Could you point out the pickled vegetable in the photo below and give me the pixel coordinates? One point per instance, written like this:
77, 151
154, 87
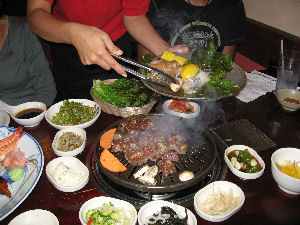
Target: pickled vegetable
290, 168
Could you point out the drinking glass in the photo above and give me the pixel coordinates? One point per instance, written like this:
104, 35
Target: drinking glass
288, 72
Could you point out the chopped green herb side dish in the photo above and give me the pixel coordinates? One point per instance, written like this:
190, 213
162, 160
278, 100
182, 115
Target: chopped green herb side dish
73, 113
124, 93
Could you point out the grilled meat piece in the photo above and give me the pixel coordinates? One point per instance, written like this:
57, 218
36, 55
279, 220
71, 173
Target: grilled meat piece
172, 156
4, 187
169, 67
150, 138
166, 167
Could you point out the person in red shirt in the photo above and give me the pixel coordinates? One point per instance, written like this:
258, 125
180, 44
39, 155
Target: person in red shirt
83, 33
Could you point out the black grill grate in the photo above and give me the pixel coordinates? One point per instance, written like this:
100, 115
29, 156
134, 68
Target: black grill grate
183, 197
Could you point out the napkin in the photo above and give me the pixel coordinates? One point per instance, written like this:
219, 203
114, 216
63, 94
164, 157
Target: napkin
257, 84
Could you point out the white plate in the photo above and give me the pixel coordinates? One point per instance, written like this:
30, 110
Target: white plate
35, 217
4, 118
99, 201
33, 170
183, 115
150, 208
55, 108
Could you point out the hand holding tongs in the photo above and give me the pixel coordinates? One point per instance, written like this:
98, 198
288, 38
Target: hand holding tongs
168, 79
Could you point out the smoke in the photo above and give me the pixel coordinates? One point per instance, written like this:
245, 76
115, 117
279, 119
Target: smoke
194, 128
167, 23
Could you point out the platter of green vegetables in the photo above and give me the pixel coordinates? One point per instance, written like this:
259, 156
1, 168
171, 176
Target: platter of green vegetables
226, 77
124, 92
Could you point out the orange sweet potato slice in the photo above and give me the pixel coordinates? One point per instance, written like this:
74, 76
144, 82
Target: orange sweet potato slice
110, 162
107, 138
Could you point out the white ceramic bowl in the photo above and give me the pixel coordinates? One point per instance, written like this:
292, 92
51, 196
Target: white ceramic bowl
99, 201
55, 108
76, 130
32, 121
286, 183
282, 94
183, 115
150, 208
70, 162
239, 173
223, 186
35, 217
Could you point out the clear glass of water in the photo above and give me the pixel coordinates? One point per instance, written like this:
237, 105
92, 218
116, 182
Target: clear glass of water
288, 72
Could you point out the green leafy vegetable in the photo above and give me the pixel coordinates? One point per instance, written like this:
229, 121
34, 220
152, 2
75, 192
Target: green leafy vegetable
124, 93
147, 58
217, 65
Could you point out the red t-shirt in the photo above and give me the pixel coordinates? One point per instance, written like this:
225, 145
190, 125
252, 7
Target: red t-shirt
104, 14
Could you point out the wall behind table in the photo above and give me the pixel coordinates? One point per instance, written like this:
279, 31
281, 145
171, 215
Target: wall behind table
281, 14
269, 21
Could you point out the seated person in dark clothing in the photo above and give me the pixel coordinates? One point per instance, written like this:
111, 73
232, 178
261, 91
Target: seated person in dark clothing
193, 22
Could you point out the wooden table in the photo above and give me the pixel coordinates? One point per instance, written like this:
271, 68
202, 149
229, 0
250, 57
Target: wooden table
265, 203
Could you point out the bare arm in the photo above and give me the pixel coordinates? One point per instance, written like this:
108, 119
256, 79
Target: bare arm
143, 31
229, 50
93, 45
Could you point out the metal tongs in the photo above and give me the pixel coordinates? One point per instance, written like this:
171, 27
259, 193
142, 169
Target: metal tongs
167, 79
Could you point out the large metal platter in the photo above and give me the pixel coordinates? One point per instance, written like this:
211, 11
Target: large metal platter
200, 158
237, 77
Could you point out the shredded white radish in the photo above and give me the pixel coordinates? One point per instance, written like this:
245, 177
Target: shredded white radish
219, 203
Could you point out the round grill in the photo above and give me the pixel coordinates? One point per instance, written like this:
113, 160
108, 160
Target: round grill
200, 158
138, 199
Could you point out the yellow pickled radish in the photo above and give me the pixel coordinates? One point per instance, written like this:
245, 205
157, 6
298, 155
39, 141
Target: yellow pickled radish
189, 71
170, 56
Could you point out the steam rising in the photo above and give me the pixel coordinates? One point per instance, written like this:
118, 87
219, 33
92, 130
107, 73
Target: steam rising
167, 23
194, 128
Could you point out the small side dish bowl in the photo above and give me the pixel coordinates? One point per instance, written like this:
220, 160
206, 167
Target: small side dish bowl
67, 174
147, 211
239, 173
35, 216
99, 201
183, 115
29, 106
285, 182
225, 187
55, 109
289, 99
66, 138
